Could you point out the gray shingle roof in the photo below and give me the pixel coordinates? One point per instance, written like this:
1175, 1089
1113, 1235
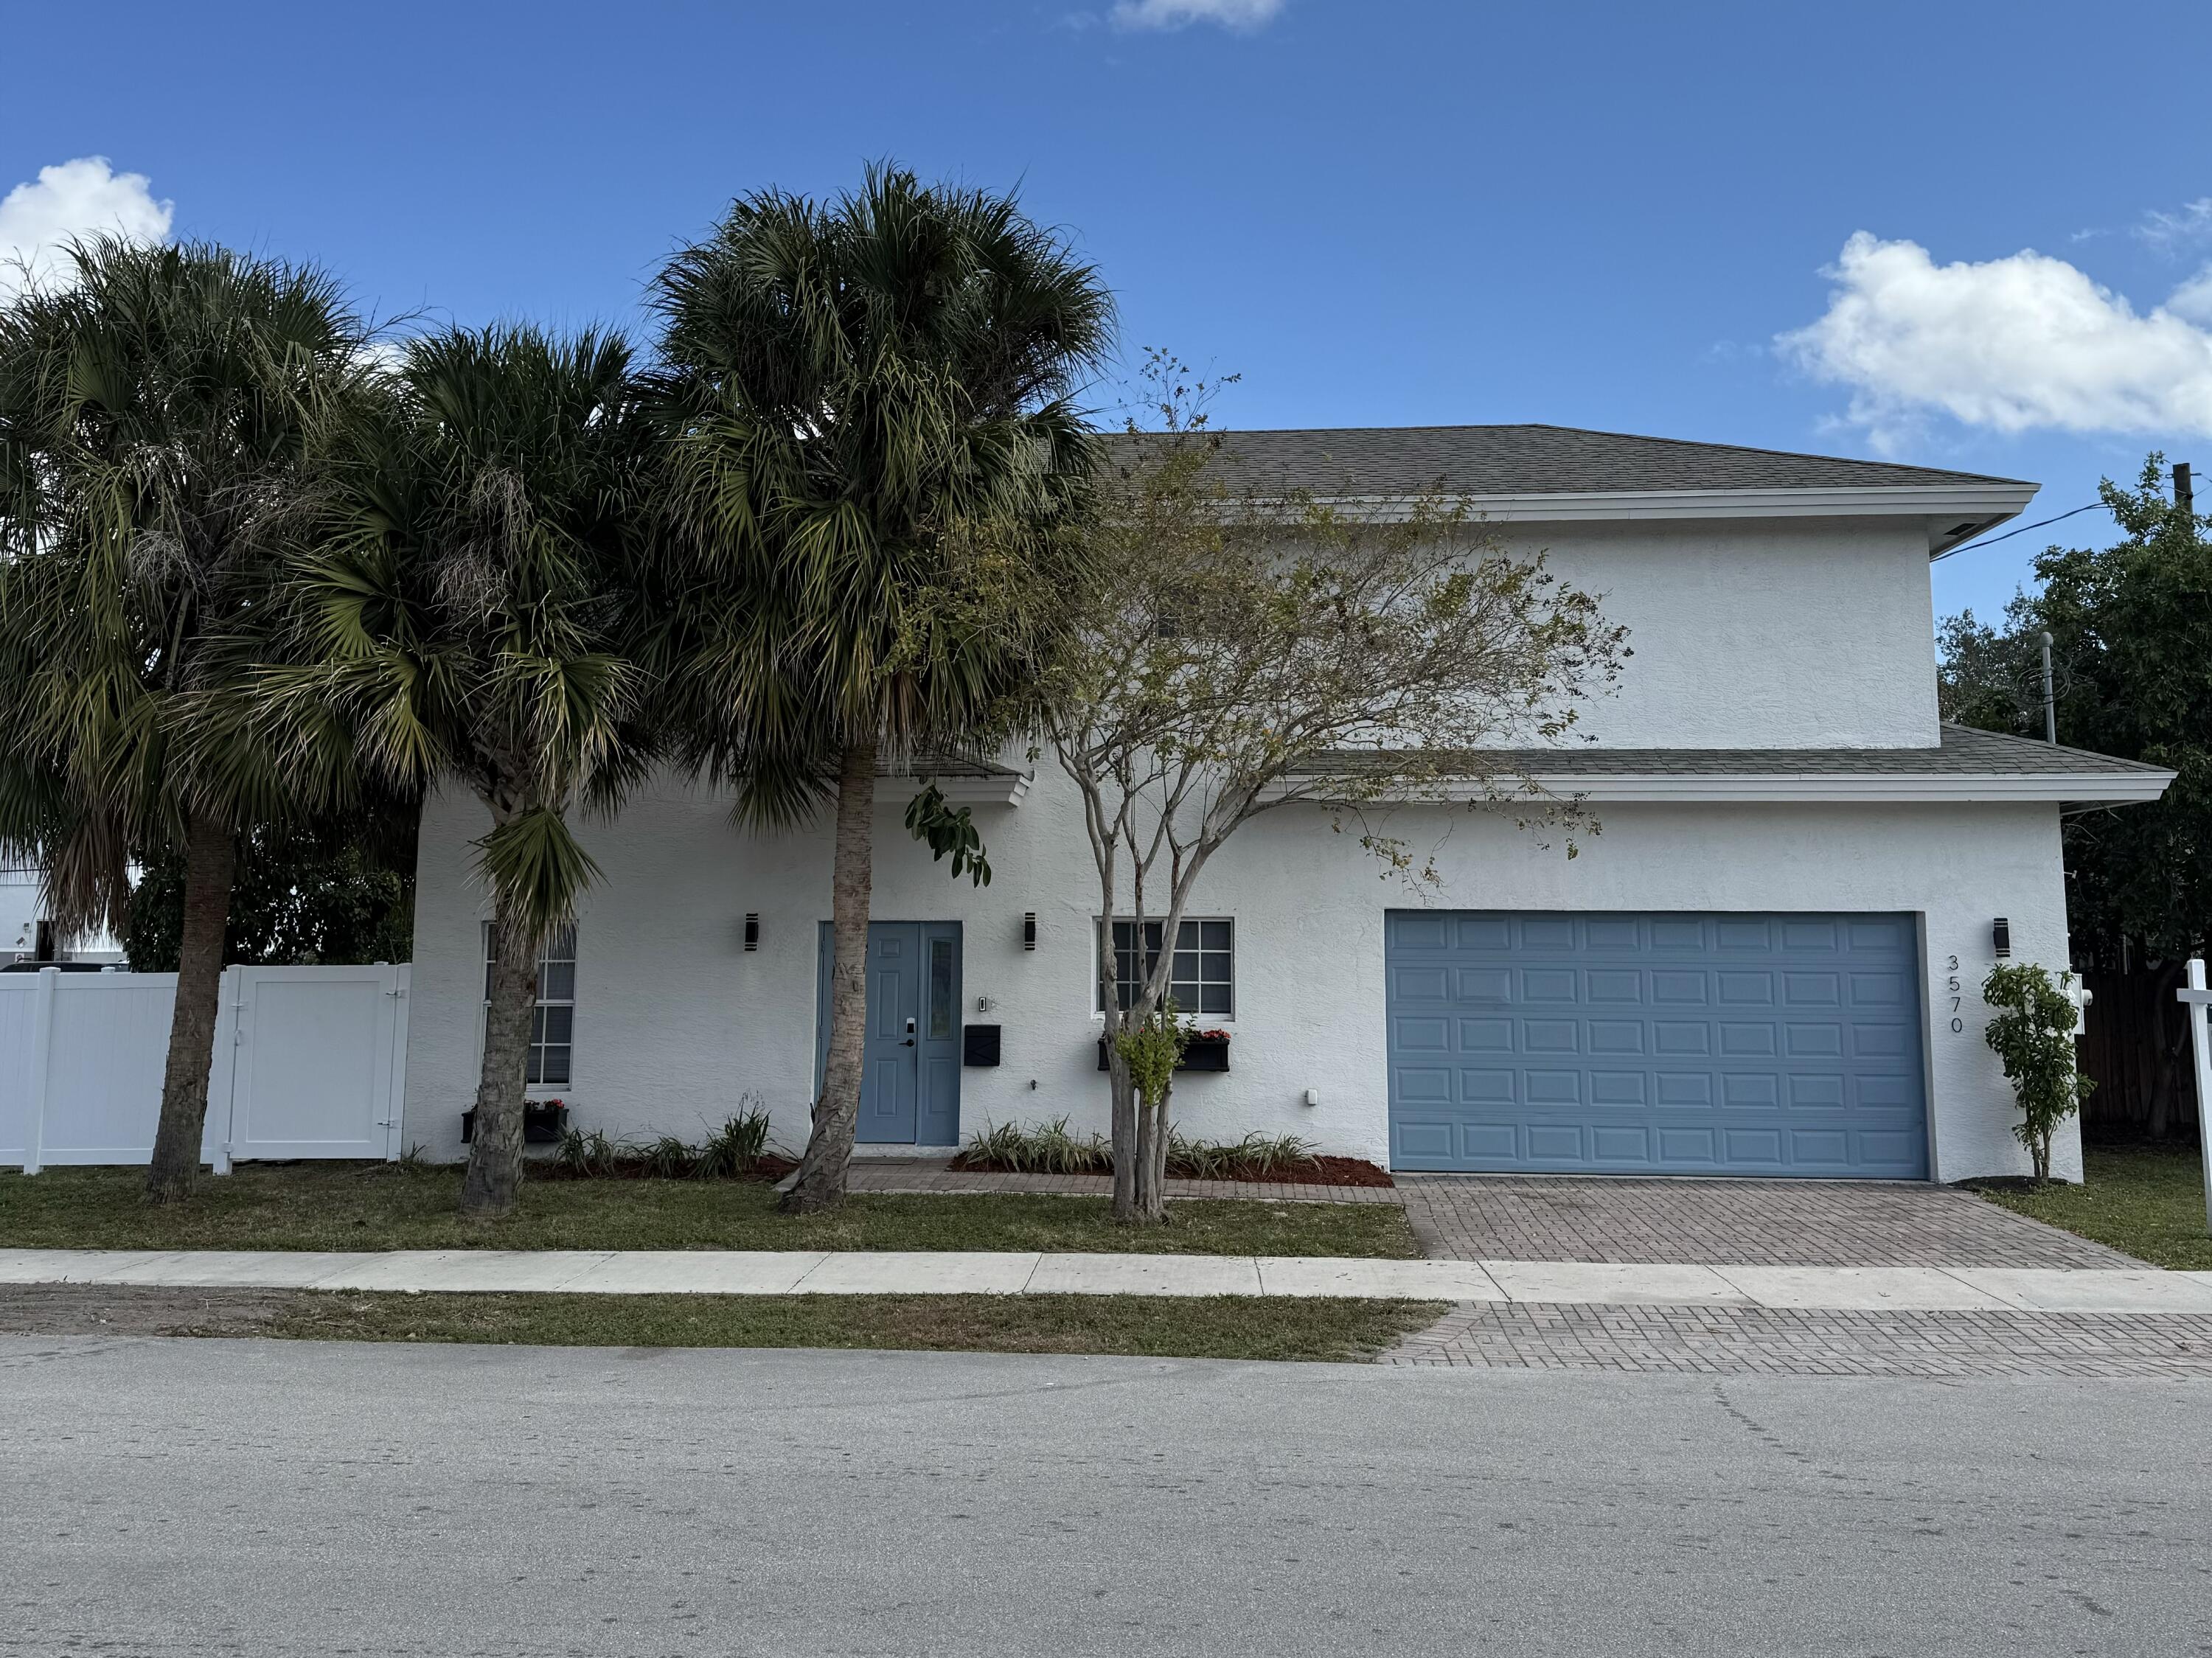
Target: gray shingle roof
1533, 460
1962, 751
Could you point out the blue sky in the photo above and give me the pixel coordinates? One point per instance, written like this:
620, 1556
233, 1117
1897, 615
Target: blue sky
1378, 213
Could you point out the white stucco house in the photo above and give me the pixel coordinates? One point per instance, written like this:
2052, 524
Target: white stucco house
1766, 962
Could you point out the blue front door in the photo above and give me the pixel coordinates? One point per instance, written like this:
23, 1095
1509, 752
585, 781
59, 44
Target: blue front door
910, 1064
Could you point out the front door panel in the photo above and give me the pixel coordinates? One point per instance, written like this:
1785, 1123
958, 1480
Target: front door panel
910, 1062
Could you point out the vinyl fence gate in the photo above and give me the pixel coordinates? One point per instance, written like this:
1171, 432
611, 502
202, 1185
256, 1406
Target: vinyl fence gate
308, 1062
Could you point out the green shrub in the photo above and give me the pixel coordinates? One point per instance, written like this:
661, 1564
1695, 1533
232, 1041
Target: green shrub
580, 1154
2033, 1033
736, 1148
669, 1159
1256, 1154
1047, 1149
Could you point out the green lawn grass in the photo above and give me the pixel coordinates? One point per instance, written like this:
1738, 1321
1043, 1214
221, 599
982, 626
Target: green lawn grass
1324, 1328
389, 1206
2147, 1201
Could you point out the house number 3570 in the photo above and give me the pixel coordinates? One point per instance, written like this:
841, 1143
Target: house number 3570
1951, 989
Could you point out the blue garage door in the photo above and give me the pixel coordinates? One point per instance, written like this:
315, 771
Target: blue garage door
1556, 1042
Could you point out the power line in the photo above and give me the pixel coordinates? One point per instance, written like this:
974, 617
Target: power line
2023, 530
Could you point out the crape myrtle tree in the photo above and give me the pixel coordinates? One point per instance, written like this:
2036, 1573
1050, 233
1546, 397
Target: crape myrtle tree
155, 404
874, 454
455, 611
1233, 654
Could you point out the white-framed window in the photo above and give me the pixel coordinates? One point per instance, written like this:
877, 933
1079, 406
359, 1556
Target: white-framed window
553, 1022
1203, 979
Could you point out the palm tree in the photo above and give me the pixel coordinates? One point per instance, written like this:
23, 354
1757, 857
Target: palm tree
874, 447
153, 411
456, 615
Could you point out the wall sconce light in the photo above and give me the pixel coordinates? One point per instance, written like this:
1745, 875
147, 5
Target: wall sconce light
752, 929
1029, 929
2000, 937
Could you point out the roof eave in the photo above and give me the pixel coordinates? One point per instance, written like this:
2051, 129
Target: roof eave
1785, 788
1955, 512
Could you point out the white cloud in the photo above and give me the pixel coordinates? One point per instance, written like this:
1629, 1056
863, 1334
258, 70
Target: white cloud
2011, 344
1240, 15
2191, 223
2193, 299
77, 198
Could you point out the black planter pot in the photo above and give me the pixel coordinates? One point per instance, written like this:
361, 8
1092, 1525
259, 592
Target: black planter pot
1204, 1054
542, 1125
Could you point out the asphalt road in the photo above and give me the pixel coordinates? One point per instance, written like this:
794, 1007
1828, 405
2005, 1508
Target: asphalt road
248, 1498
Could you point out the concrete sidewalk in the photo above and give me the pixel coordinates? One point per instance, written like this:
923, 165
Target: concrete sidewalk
707, 1272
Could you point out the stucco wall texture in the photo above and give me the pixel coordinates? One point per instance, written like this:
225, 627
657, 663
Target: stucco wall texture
675, 1021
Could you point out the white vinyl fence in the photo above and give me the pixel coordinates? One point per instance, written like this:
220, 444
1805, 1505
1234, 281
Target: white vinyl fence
309, 1062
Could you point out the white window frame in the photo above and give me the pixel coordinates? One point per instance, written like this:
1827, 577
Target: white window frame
547, 956
1194, 1013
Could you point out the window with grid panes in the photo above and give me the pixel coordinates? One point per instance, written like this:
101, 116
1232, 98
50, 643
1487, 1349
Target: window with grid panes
1203, 977
552, 1023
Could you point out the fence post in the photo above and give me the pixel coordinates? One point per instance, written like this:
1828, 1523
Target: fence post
42, 1065
2196, 998
395, 1093
223, 1068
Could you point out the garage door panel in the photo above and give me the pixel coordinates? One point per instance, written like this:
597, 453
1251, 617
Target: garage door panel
1676, 987
1616, 985
1620, 1088
1612, 1144
1616, 1036
1551, 1036
1657, 1043
1486, 1036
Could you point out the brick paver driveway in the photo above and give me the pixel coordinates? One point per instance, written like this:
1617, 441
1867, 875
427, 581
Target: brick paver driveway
1717, 1223
1701, 1223
1788, 1341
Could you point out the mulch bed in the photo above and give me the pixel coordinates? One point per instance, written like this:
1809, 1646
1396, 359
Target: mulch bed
769, 1169
1317, 1171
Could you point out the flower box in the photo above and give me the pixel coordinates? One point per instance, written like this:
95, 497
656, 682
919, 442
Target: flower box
542, 1123
1207, 1051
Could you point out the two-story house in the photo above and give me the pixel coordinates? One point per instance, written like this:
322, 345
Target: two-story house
1767, 963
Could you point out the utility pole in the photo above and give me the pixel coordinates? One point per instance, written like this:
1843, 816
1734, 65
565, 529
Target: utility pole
2050, 701
2184, 489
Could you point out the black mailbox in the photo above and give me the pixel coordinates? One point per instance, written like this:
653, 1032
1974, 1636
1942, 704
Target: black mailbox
979, 1044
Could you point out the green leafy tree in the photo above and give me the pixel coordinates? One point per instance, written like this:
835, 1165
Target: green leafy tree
156, 406
303, 897
2033, 1032
455, 614
874, 452
2131, 630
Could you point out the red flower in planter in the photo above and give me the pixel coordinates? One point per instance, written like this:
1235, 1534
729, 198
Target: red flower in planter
1212, 1035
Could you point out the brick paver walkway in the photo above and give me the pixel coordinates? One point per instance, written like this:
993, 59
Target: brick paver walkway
1717, 1223
1781, 1341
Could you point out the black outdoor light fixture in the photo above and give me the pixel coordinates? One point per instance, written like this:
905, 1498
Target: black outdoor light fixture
752, 929
2000, 937
1029, 929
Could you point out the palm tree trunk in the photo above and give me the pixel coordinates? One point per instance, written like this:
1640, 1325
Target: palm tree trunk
211, 859
495, 1176
820, 1182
